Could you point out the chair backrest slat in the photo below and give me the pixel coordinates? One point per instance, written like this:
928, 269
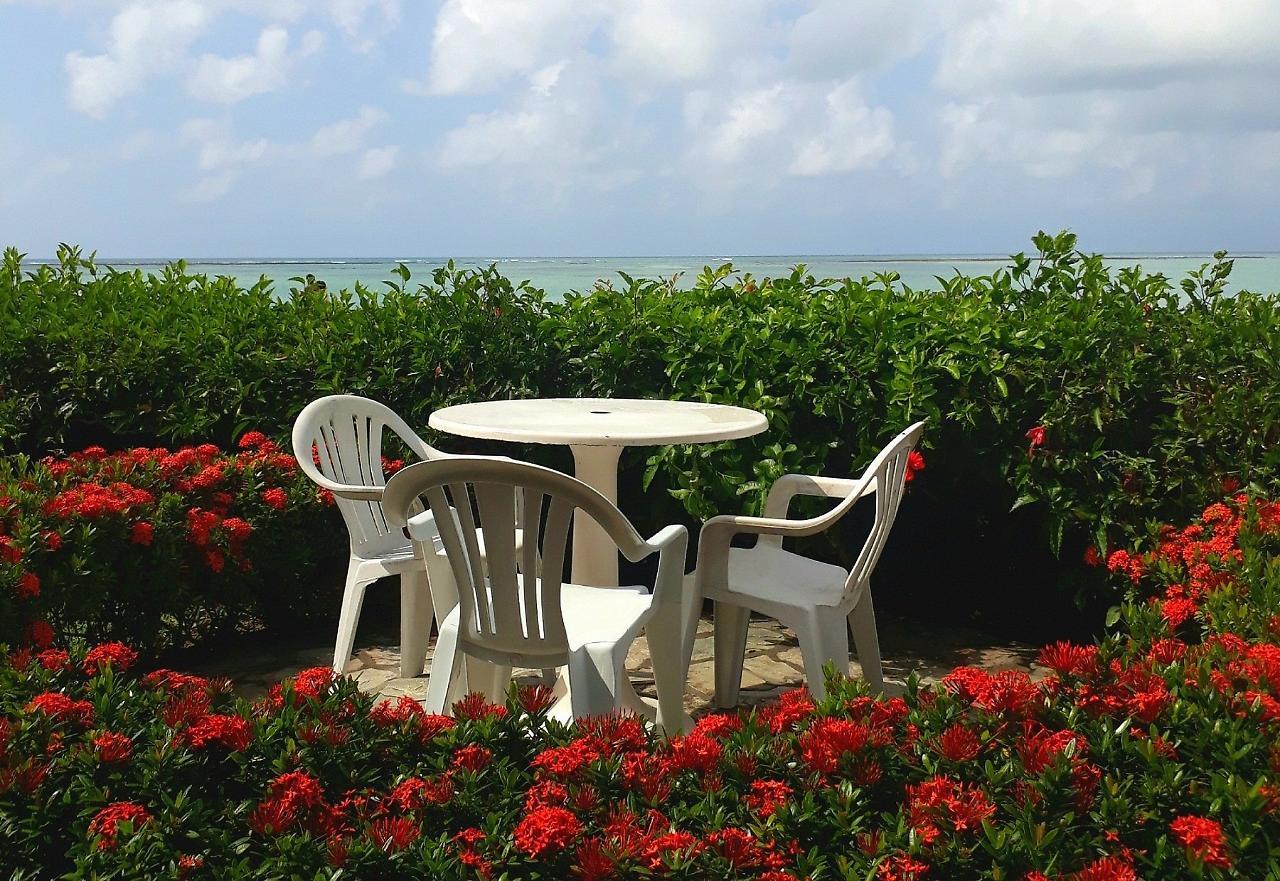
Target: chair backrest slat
338, 439
531, 522
504, 613
888, 470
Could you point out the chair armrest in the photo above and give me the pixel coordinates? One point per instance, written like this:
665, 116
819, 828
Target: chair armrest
788, 486
670, 544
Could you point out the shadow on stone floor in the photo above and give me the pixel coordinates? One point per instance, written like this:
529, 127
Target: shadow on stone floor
773, 663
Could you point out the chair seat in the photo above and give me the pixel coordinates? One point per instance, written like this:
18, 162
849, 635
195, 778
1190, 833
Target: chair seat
597, 614
776, 575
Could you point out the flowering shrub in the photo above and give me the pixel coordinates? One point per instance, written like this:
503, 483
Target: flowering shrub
157, 547
1154, 754
1086, 397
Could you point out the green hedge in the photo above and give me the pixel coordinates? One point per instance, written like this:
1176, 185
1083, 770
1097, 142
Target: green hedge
1150, 393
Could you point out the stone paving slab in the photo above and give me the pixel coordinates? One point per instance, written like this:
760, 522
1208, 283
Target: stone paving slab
773, 663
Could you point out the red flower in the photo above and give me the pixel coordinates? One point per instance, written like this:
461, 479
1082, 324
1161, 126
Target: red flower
942, 801
738, 847
313, 682
117, 655
9, 552
112, 746
142, 533
476, 706
828, 741
54, 659
1068, 659
38, 634
535, 698
188, 863
28, 585
1092, 557
958, 744
415, 793
1203, 840
915, 464
393, 834
766, 796
106, 823
252, 440
275, 498
60, 708
472, 757
1107, 869
233, 733
695, 752
546, 831
1035, 436
901, 867
52, 540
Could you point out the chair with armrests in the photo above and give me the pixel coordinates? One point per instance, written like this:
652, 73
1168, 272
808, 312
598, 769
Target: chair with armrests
819, 601
514, 612
337, 441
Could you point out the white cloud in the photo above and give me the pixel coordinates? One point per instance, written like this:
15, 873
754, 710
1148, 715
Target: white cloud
671, 41
789, 128
230, 80
480, 44
1055, 90
377, 162
346, 135
362, 20
837, 38
220, 158
145, 39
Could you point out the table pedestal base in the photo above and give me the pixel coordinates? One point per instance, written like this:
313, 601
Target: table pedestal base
595, 557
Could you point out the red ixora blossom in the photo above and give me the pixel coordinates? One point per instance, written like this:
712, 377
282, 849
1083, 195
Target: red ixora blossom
476, 706
766, 796
106, 823
1035, 436
38, 634
54, 659
60, 708
28, 585
117, 655
958, 744
915, 464
944, 802
901, 867
233, 733
112, 746
275, 498
393, 834
472, 757
1203, 839
252, 440
1068, 659
545, 831
142, 533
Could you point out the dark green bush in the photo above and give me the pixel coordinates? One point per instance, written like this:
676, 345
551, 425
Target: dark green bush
1150, 394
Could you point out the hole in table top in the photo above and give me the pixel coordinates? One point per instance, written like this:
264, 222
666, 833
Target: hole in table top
600, 412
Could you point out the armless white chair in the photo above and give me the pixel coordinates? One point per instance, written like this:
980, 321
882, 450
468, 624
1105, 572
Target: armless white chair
512, 612
337, 441
820, 602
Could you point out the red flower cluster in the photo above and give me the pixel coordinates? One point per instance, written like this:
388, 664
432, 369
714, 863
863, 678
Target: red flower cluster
1203, 839
111, 747
117, 655
546, 830
232, 733
60, 708
944, 803
106, 823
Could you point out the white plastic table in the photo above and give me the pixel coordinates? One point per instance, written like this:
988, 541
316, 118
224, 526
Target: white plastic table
596, 430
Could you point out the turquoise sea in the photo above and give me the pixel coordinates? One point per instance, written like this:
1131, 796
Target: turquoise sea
1255, 272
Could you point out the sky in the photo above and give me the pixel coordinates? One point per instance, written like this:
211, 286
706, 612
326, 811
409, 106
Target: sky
418, 128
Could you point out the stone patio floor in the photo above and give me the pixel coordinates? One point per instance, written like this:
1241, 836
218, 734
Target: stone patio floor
773, 663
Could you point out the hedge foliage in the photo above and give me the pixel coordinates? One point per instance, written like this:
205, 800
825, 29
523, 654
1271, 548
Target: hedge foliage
1154, 754
1085, 398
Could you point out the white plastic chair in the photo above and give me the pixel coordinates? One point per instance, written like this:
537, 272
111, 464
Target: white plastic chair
514, 613
344, 432
820, 602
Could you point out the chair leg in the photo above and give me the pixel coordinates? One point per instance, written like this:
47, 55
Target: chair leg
730, 647
416, 613
823, 639
862, 621
447, 665
348, 618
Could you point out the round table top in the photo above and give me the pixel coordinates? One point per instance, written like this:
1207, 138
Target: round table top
611, 422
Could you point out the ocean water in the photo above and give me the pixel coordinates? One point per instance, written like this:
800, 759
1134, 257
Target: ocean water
556, 275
